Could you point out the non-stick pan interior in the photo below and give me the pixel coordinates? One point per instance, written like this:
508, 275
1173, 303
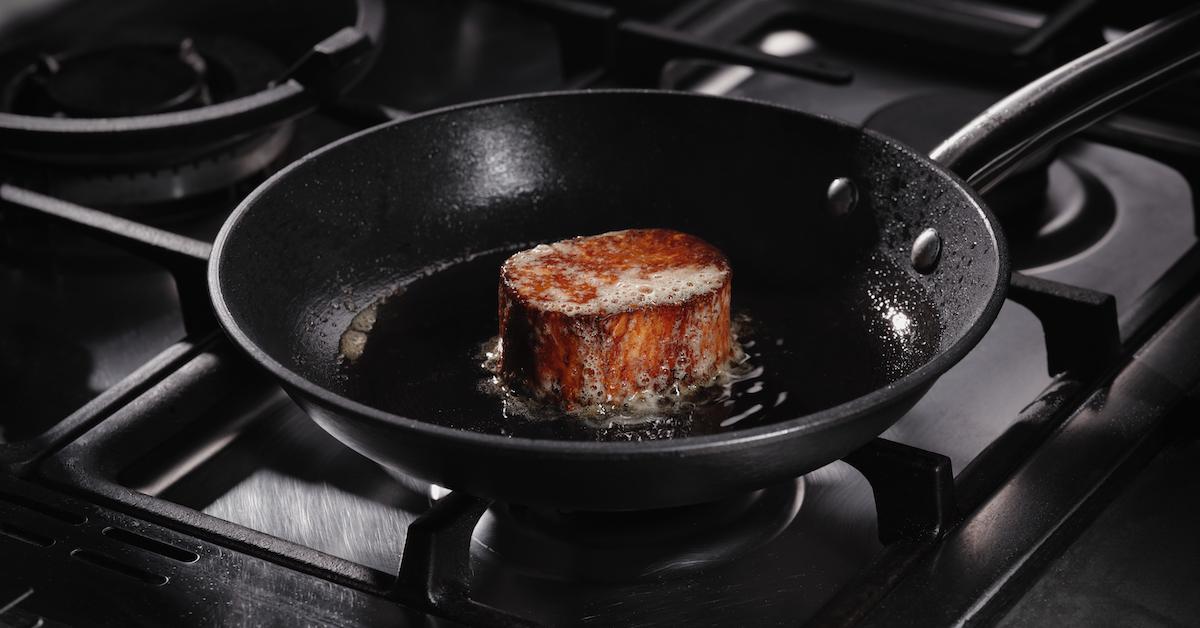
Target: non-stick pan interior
435, 203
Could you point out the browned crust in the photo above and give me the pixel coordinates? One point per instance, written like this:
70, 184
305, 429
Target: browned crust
650, 249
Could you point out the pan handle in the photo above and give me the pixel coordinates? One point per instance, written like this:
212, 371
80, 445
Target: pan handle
1071, 98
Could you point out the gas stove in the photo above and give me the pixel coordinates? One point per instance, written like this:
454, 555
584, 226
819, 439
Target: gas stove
153, 475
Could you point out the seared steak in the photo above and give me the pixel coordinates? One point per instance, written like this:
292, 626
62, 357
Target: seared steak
600, 319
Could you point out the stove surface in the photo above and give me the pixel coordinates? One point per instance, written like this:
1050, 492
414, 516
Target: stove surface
176, 436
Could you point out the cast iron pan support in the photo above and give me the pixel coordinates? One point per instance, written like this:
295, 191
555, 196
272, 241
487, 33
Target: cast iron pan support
582, 29
914, 490
331, 67
435, 569
1080, 325
635, 53
185, 258
1076, 16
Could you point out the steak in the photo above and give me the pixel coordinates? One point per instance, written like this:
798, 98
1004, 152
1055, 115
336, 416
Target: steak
605, 318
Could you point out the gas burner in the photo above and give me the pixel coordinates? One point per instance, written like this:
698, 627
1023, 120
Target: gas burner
149, 106
623, 546
143, 77
1050, 209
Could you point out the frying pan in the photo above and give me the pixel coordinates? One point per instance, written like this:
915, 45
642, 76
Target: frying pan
870, 268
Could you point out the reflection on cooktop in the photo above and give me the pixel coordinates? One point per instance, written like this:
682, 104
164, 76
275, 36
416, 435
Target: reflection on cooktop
282, 475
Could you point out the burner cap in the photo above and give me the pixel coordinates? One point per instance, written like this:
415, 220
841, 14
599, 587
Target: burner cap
122, 81
624, 546
164, 102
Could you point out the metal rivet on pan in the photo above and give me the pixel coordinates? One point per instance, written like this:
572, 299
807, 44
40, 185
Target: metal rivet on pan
843, 196
926, 251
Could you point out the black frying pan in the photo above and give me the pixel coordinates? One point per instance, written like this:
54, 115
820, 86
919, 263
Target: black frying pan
848, 333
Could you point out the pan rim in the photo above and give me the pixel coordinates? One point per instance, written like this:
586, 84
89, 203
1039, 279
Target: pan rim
847, 411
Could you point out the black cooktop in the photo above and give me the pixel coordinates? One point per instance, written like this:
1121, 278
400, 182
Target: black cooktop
152, 475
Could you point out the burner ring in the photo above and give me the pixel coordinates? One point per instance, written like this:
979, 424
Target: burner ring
624, 546
231, 164
273, 105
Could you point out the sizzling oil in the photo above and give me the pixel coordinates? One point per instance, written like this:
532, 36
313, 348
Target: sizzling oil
806, 350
